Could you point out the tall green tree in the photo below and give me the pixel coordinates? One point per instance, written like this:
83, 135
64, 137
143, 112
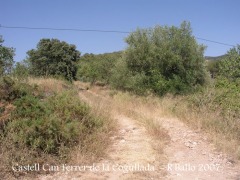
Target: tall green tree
6, 58
169, 57
54, 58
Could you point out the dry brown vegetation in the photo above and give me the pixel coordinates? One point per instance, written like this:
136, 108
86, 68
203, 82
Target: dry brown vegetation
206, 120
92, 138
203, 118
144, 110
50, 84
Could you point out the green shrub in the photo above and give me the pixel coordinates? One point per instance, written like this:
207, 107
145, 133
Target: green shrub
11, 89
50, 126
30, 107
222, 99
99, 67
229, 67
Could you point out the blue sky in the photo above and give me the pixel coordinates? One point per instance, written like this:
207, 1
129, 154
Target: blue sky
216, 20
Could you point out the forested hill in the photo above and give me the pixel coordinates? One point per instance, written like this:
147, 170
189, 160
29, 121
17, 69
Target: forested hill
215, 58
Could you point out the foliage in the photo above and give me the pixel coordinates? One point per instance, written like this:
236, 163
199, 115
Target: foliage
159, 60
120, 75
54, 58
11, 89
227, 96
97, 67
213, 67
169, 56
30, 106
21, 70
48, 125
6, 58
46, 129
229, 67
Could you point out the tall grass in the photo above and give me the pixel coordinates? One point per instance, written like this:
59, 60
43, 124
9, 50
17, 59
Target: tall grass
49, 85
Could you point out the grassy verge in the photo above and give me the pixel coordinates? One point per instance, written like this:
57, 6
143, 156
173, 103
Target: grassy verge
215, 110
47, 124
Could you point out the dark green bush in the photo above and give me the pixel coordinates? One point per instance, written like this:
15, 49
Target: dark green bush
11, 89
30, 107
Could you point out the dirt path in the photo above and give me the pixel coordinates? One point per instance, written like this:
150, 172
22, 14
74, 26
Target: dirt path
133, 156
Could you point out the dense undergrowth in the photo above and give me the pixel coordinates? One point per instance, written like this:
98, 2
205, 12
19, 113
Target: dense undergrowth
44, 126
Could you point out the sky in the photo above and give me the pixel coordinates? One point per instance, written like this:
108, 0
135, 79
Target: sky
216, 20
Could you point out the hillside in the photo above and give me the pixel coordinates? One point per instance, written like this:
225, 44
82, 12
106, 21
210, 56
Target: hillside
215, 58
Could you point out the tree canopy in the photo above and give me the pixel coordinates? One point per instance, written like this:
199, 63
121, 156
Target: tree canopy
54, 58
97, 67
6, 58
229, 67
168, 58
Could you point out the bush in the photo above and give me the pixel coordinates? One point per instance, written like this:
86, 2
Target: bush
229, 67
11, 89
21, 70
47, 129
95, 68
60, 121
30, 107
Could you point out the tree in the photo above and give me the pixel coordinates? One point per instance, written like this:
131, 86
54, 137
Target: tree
21, 70
54, 58
6, 58
97, 67
229, 67
169, 57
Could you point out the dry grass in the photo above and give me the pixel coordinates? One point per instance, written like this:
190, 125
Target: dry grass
209, 121
49, 85
221, 130
95, 146
145, 110
206, 120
